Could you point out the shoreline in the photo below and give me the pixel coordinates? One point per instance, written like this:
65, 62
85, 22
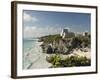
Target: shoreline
35, 57
41, 61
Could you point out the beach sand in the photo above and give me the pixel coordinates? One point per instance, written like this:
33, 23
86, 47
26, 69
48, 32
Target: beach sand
36, 58
82, 53
41, 62
78, 53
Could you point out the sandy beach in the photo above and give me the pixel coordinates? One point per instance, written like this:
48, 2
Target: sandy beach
78, 53
41, 62
82, 53
36, 58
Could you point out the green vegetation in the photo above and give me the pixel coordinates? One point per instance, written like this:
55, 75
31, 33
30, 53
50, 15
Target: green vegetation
55, 60
56, 45
71, 61
64, 46
80, 41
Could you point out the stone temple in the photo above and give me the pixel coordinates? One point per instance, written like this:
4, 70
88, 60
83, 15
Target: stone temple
66, 33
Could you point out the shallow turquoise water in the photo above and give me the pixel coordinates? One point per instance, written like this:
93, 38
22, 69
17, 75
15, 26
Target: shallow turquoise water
28, 45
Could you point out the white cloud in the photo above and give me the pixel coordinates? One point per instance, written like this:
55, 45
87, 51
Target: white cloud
28, 18
29, 31
33, 31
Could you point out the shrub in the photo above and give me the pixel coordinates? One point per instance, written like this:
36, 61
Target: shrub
55, 60
76, 42
71, 61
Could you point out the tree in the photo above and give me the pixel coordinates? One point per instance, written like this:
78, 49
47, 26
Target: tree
76, 42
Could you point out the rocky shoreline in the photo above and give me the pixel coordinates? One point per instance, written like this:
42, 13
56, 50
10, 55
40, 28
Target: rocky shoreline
78, 47
64, 46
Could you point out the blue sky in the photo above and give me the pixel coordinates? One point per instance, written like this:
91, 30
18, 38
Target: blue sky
40, 23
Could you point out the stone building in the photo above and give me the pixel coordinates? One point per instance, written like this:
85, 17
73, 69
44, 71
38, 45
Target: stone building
66, 34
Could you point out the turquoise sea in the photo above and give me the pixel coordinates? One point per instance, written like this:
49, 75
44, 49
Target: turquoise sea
28, 46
